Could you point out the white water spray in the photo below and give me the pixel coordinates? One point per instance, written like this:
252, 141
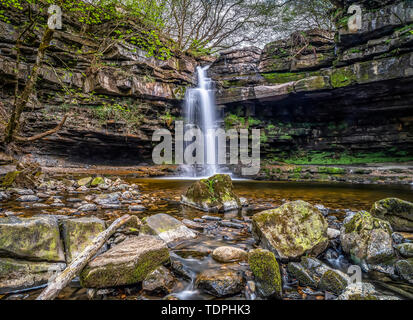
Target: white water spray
200, 112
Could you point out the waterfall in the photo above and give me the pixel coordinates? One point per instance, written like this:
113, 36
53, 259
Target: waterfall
200, 112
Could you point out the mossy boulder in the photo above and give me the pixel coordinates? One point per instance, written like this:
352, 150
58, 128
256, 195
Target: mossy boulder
333, 281
292, 230
266, 272
316, 274
214, 194
367, 239
220, 282
97, 181
359, 291
168, 228
84, 182
79, 233
398, 212
405, 269
405, 249
126, 263
23, 274
36, 239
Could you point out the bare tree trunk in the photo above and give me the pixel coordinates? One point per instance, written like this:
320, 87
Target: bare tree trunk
63, 279
22, 100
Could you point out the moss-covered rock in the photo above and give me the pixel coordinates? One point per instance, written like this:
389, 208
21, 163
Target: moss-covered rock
302, 275
126, 263
398, 212
405, 269
22, 274
36, 239
405, 249
266, 272
333, 281
84, 182
220, 282
212, 194
97, 181
79, 233
292, 230
359, 291
367, 239
167, 228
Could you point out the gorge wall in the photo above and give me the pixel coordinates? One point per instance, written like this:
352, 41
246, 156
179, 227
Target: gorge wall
319, 97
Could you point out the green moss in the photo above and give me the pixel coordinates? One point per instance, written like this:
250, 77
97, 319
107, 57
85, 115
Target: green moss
332, 170
342, 77
283, 77
10, 178
266, 271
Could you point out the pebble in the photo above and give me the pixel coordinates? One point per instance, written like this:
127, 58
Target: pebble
87, 207
231, 225
137, 208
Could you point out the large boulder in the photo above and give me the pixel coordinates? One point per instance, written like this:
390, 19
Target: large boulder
36, 239
214, 194
167, 228
21, 274
368, 240
405, 269
266, 272
220, 282
79, 233
126, 263
398, 212
292, 230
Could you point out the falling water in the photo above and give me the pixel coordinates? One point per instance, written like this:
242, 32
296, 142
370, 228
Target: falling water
200, 112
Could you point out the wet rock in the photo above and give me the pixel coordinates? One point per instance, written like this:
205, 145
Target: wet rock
79, 233
24, 192
112, 206
167, 228
40, 205
244, 202
398, 212
397, 238
333, 281
126, 263
210, 218
266, 272
87, 207
292, 230
159, 281
137, 208
194, 225
229, 254
4, 196
21, 274
36, 239
96, 182
229, 224
220, 282
213, 195
333, 233
28, 198
367, 239
359, 291
405, 249
84, 182
180, 269
405, 269
302, 275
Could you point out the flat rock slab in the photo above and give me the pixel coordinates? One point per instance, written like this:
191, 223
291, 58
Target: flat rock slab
36, 239
167, 228
126, 263
19, 274
220, 282
79, 233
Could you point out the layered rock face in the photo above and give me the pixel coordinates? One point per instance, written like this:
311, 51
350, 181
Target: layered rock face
348, 92
97, 91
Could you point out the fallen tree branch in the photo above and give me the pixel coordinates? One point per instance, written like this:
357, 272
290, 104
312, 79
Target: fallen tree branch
63, 279
44, 134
